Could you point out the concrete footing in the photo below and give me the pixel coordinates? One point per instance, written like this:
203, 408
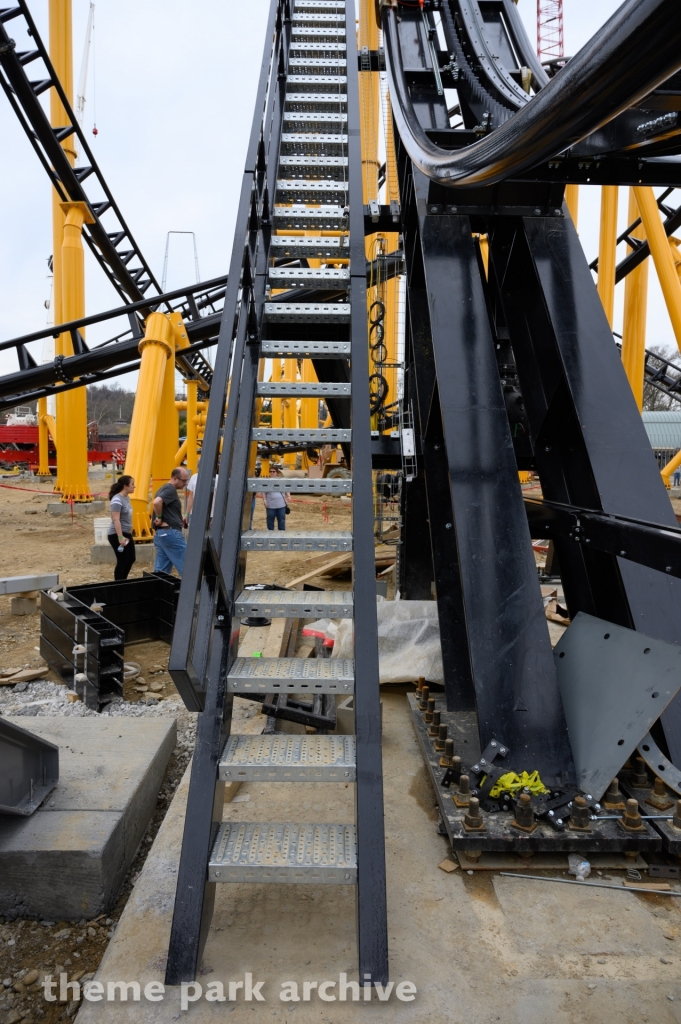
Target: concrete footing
64, 508
24, 605
68, 860
104, 554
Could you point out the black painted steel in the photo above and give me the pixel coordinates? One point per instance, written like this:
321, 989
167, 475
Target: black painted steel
586, 94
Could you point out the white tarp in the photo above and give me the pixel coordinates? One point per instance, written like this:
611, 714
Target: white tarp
408, 641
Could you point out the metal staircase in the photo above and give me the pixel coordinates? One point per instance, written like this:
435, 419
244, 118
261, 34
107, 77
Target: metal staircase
303, 173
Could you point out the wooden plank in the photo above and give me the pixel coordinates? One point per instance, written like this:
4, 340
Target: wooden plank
317, 572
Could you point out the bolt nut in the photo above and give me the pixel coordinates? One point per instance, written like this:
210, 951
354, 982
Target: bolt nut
430, 709
435, 724
441, 740
425, 694
473, 817
524, 812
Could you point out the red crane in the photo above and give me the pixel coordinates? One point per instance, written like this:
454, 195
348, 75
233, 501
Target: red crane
550, 29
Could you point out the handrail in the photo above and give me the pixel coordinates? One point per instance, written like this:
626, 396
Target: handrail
635, 51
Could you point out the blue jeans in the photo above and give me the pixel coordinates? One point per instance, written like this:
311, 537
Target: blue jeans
677, 478
276, 513
170, 550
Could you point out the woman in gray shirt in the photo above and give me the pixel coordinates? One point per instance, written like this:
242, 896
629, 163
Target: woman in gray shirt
120, 532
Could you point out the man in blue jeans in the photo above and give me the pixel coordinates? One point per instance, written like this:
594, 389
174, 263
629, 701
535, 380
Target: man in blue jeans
169, 522
275, 505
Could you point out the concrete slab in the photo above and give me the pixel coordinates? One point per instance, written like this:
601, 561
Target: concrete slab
68, 860
470, 953
64, 508
103, 554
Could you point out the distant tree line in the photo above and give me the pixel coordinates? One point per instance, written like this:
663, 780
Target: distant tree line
109, 406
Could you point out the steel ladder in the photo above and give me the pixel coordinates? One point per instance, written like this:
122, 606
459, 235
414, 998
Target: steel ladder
318, 188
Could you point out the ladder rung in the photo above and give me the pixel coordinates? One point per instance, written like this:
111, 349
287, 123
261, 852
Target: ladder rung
311, 191
299, 485
321, 248
297, 218
309, 277
305, 349
324, 435
317, 66
312, 34
303, 389
292, 675
295, 604
287, 852
315, 49
296, 540
284, 758
308, 312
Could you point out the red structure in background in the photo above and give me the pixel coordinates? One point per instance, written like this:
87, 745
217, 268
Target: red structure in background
19, 446
550, 29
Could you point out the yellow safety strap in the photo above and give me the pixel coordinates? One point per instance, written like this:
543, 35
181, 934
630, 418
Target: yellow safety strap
512, 783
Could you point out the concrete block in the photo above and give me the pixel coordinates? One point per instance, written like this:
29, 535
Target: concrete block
24, 605
103, 554
63, 508
69, 859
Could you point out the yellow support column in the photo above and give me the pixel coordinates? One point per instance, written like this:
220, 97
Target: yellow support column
661, 252
607, 256
369, 85
572, 200
309, 407
192, 451
635, 313
72, 452
43, 439
157, 349
61, 55
290, 406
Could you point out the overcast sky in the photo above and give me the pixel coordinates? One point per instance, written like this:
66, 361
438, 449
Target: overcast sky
172, 85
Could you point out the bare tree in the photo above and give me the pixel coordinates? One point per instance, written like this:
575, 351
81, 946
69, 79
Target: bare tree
653, 399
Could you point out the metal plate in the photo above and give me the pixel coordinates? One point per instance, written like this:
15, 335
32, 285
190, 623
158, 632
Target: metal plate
317, 65
315, 48
606, 837
614, 683
283, 758
296, 540
332, 435
318, 33
29, 769
295, 485
308, 312
312, 191
294, 604
284, 390
292, 675
660, 765
305, 349
333, 168
309, 220
271, 852
315, 83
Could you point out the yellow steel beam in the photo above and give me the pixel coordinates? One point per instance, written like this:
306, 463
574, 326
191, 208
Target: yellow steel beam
607, 245
43, 439
635, 313
157, 349
661, 252
72, 451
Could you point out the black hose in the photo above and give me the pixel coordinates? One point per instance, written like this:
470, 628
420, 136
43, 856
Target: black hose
636, 50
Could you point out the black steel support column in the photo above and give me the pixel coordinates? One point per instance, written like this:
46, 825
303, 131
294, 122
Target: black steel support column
510, 652
372, 925
591, 448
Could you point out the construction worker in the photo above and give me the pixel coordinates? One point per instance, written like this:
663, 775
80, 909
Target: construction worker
169, 522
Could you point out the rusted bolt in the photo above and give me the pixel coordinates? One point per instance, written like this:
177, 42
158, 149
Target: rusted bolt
430, 709
524, 814
419, 685
473, 818
631, 819
456, 767
425, 694
640, 777
448, 756
462, 797
435, 724
613, 798
579, 816
659, 798
676, 820
441, 738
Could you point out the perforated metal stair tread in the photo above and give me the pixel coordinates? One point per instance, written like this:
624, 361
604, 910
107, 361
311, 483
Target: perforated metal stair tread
329, 168
284, 852
291, 675
285, 389
309, 277
299, 245
296, 485
307, 312
305, 349
302, 190
296, 540
321, 435
283, 604
283, 758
